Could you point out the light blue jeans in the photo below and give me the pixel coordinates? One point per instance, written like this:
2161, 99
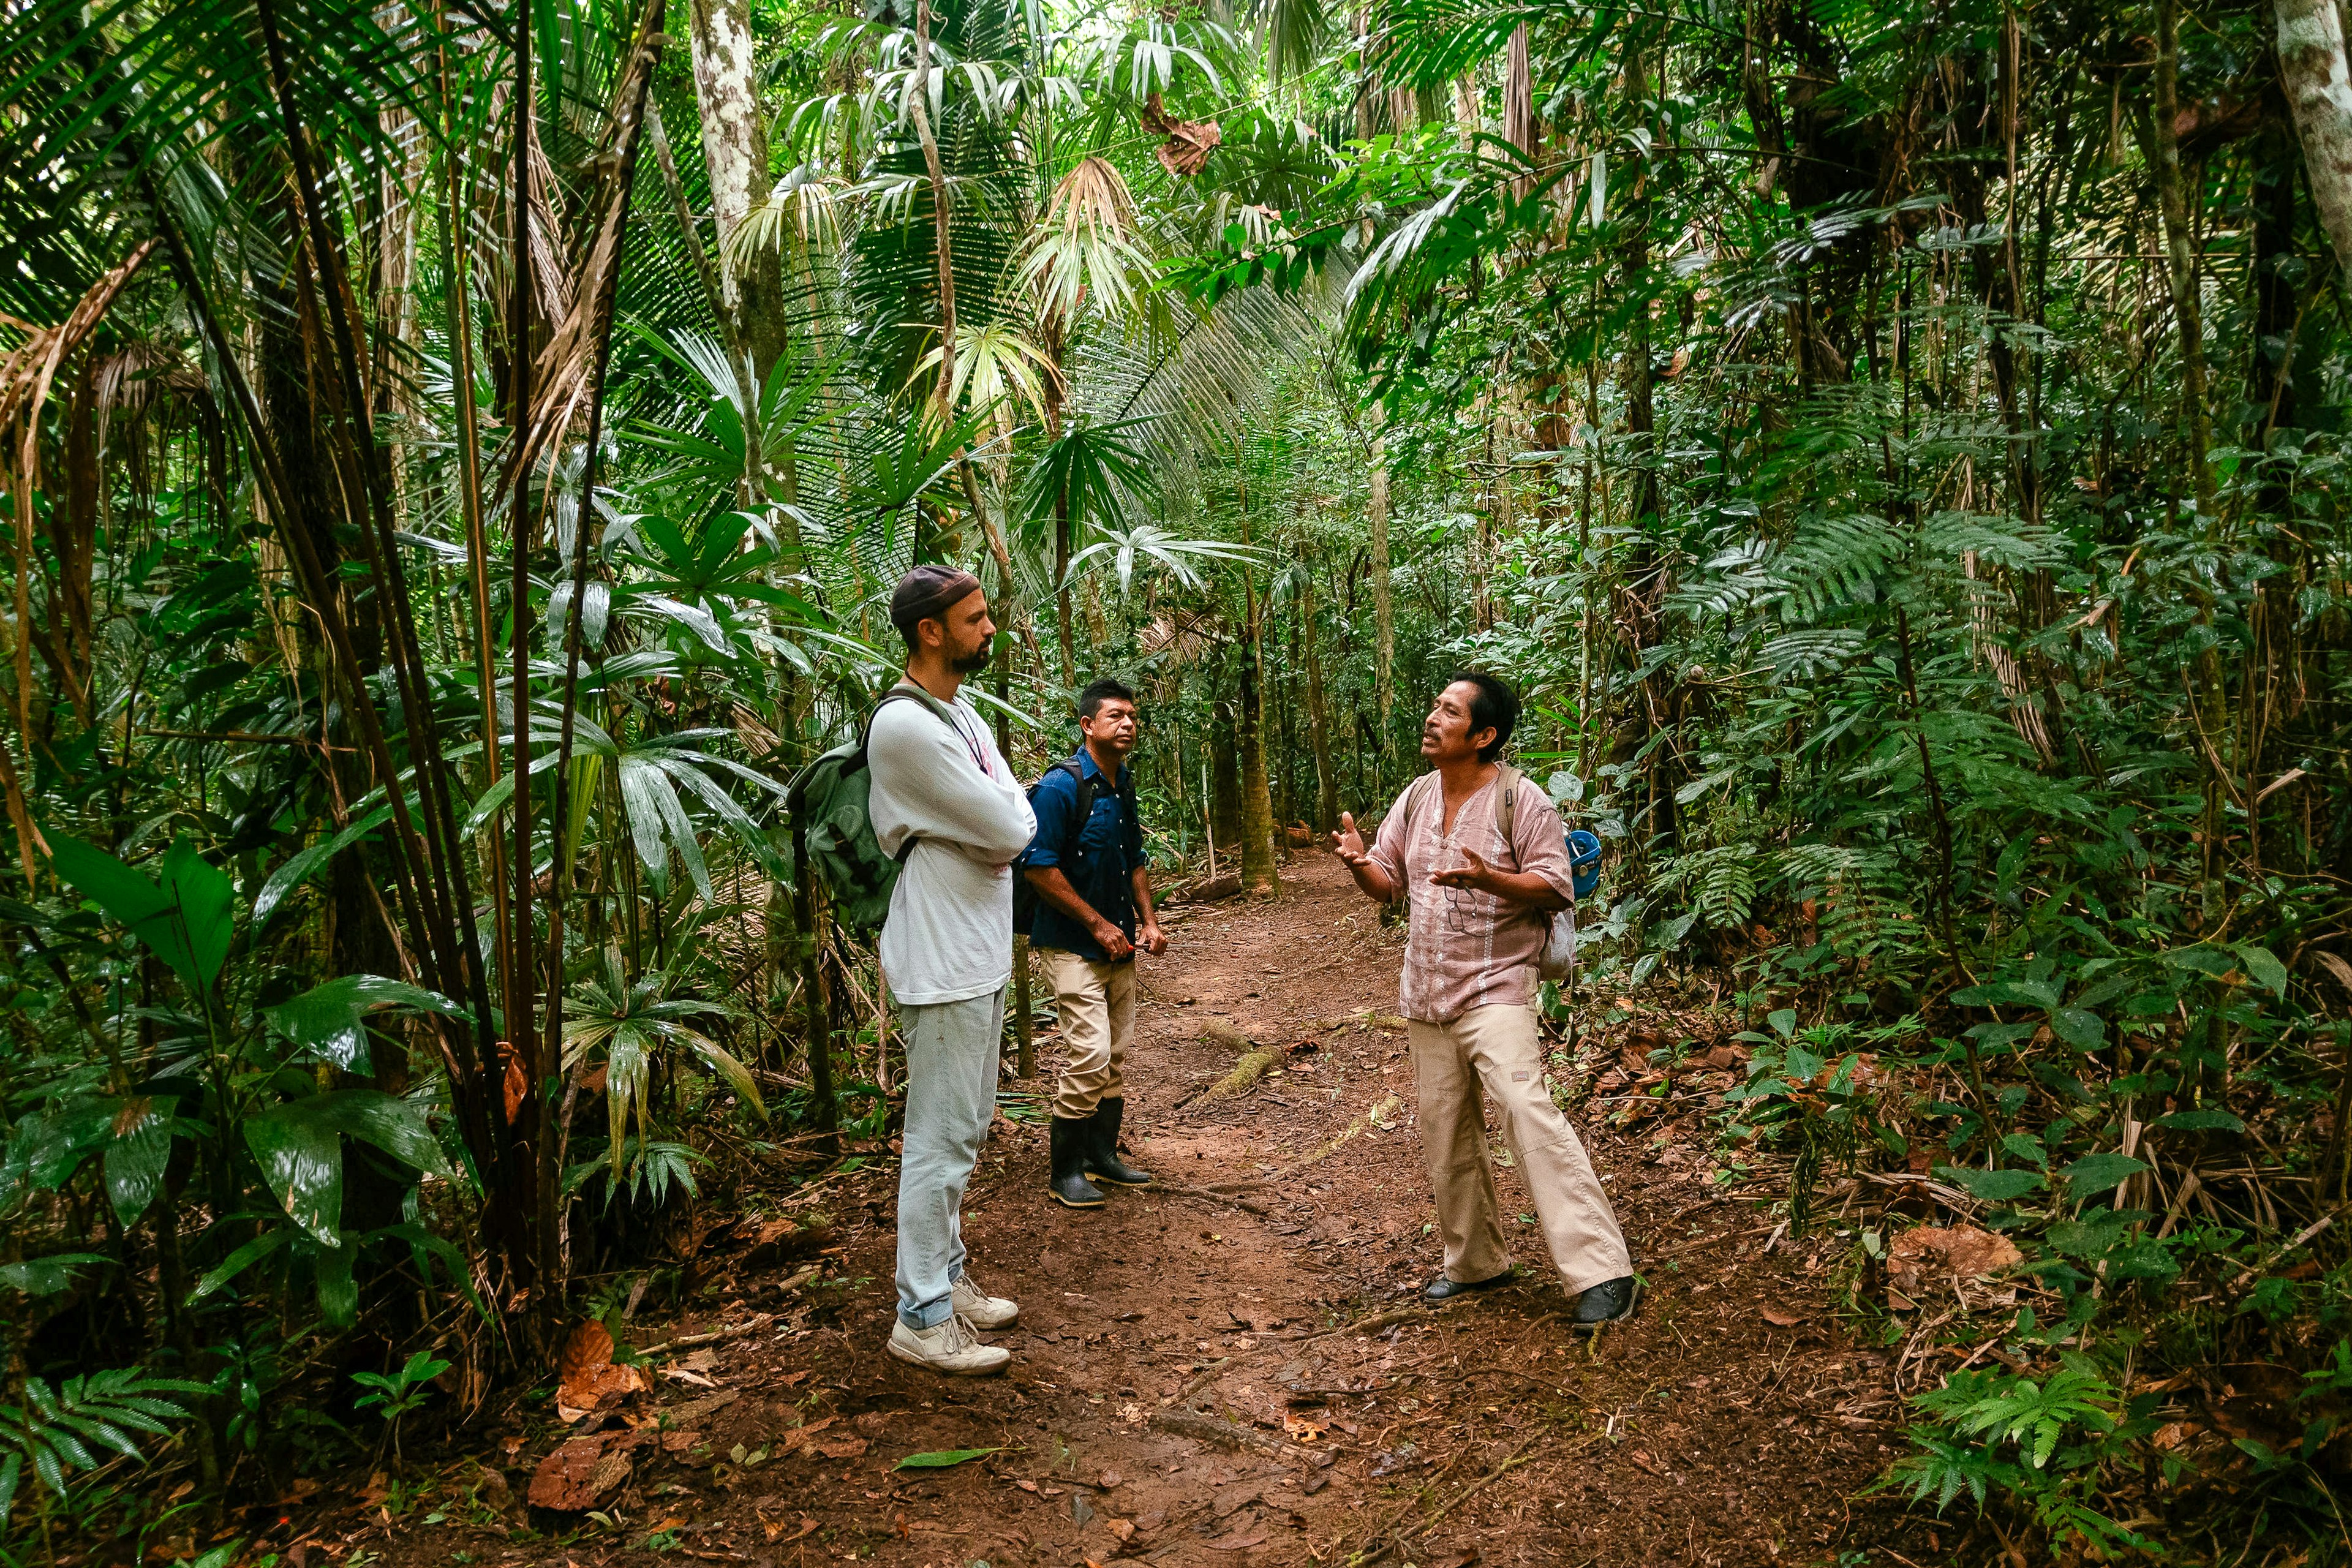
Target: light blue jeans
951, 1055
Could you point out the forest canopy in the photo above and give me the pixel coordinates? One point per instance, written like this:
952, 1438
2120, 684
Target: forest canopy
457, 459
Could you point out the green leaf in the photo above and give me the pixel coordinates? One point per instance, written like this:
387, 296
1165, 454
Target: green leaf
302, 1158
2078, 1027
187, 921
339, 1291
1991, 1186
2099, 1172
47, 1276
237, 1262
298, 868
2038, 993
2264, 967
330, 1020
138, 1155
2202, 1121
206, 901
942, 1458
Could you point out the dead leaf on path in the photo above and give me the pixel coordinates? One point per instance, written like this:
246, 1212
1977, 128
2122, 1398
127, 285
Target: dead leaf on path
1453, 1559
1241, 1539
1779, 1318
587, 1377
841, 1448
776, 1527
799, 1436
571, 1479
2173, 1434
1306, 1426
1386, 1113
1641, 1456
679, 1442
687, 1376
1930, 1253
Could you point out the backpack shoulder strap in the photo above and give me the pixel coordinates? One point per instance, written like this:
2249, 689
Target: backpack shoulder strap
1507, 782
1087, 791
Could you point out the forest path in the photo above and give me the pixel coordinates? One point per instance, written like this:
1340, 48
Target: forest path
1731, 1422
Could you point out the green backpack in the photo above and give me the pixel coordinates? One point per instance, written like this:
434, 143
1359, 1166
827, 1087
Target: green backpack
834, 827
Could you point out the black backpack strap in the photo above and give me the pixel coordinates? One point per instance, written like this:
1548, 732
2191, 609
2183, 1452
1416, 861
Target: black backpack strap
1087, 792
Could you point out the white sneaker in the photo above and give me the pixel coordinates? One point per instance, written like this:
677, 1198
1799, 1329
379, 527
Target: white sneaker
986, 1312
951, 1347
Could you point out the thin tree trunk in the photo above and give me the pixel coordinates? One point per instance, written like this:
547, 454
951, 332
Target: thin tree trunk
1319, 714
1257, 864
1383, 605
2179, 247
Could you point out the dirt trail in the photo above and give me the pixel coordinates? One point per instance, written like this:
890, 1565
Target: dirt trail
1185, 1389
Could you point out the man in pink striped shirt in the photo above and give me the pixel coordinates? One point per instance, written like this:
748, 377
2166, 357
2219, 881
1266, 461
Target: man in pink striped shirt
1479, 906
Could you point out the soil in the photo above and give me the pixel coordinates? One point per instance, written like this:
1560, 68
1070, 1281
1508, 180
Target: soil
1233, 1369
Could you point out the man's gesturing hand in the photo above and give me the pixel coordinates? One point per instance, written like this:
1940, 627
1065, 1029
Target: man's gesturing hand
1347, 843
1474, 873
1152, 939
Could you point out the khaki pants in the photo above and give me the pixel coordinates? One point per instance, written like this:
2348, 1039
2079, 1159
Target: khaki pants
1498, 1048
1097, 1007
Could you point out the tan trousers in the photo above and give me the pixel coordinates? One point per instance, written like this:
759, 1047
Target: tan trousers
1097, 1007
1497, 1048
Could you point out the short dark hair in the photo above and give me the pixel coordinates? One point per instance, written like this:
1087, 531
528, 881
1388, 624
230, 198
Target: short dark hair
1495, 708
1091, 699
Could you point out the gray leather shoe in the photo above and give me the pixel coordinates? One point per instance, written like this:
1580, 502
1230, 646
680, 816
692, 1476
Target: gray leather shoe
1610, 1301
1444, 1290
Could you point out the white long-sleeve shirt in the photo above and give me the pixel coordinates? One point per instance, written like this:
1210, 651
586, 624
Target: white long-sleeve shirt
949, 935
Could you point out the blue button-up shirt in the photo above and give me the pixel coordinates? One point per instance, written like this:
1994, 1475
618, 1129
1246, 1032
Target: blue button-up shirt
1101, 863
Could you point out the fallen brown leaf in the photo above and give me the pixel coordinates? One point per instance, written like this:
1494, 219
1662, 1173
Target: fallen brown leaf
1241, 1539
1929, 1254
1779, 1318
586, 1376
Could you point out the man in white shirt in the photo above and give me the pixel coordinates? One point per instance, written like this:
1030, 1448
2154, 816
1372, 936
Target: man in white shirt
947, 949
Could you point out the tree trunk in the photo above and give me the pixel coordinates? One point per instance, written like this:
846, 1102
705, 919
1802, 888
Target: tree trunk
1259, 873
1319, 714
735, 151
1383, 606
1225, 789
2314, 74
2179, 245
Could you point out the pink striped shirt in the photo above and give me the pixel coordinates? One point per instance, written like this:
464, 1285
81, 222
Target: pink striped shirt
1466, 949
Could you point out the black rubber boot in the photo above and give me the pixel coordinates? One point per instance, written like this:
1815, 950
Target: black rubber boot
1103, 1162
1068, 1184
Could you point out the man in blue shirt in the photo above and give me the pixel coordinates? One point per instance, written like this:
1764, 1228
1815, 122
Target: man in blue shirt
1093, 887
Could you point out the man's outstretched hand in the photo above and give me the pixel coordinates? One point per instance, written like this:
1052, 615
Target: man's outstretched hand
1474, 873
1348, 844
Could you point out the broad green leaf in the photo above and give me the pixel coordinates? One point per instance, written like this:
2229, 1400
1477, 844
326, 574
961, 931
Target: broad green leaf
138, 1155
330, 1020
339, 1291
47, 1276
2099, 1172
302, 1158
2078, 1027
942, 1458
2264, 967
187, 921
124, 894
206, 901
1992, 1186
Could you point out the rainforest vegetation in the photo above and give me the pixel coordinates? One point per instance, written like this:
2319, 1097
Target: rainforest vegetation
455, 457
